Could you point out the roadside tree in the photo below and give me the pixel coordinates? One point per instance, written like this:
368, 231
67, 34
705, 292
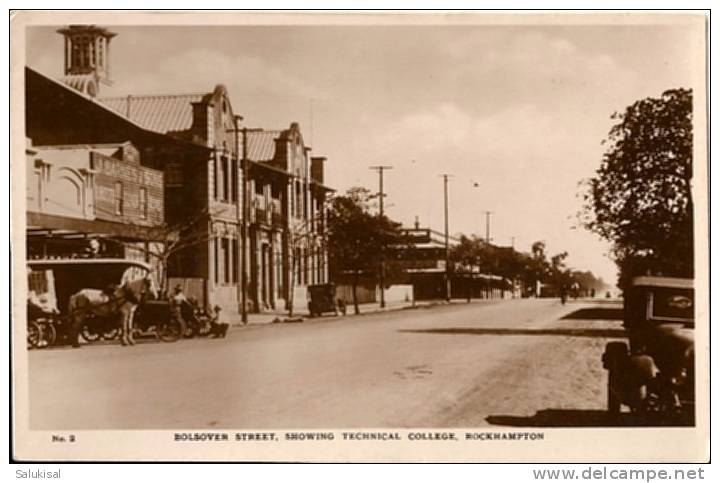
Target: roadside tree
357, 237
641, 197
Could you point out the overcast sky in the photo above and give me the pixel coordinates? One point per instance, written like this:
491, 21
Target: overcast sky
520, 110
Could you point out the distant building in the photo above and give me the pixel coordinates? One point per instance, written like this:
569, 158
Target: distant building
422, 259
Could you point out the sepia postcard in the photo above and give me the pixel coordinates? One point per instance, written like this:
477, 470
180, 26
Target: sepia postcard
413, 236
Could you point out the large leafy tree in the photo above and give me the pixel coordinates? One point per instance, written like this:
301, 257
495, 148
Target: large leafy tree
640, 198
358, 237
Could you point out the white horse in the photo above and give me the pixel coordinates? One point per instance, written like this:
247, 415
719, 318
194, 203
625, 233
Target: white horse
121, 302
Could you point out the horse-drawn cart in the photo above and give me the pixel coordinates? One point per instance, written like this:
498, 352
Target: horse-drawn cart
95, 299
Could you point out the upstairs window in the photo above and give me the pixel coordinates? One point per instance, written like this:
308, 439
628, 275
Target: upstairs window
225, 178
234, 177
298, 200
215, 178
119, 198
143, 203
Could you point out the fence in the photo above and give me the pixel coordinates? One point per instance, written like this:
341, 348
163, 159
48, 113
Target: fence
365, 294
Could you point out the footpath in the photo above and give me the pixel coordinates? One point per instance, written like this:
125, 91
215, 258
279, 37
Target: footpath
282, 317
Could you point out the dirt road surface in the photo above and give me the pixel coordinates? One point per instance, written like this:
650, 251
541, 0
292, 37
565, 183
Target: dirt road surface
511, 362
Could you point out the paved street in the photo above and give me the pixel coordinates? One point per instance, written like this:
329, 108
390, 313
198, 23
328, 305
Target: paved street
511, 362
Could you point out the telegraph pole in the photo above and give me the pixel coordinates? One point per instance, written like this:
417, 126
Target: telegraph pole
243, 208
244, 242
447, 239
381, 170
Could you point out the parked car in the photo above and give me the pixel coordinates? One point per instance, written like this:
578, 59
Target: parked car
321, 299
653, 373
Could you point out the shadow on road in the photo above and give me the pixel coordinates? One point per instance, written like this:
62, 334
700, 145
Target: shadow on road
579, 418
596, 313
97, 343
580, 332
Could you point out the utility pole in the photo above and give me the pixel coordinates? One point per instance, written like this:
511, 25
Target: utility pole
447, 239
487, 226
243, 208
381, 170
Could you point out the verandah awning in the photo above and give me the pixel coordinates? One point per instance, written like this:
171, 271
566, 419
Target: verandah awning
43, 225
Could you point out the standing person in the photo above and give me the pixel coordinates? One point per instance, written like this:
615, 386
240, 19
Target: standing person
182, 308
93, 248
178, 295
563, 294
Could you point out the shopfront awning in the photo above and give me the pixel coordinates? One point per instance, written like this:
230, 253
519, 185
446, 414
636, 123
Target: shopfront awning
53, 226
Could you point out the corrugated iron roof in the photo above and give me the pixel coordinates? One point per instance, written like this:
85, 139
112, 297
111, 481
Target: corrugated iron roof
261, 145
159, 113
79, 82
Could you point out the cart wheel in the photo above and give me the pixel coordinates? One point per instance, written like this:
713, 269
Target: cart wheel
88, 335
48, 334
111, 334
172, 330
33, 334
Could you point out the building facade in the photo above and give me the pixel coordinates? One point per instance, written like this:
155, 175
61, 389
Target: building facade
286, 244
288, 237
422, 260
203, 188
82, 187
196, 143
91, 172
